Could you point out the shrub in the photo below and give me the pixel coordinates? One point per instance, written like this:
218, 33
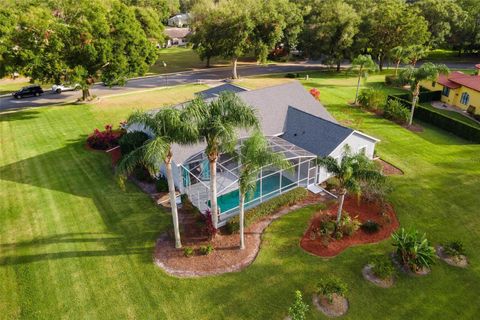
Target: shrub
298, 309
377, 191
454, 248
104, 140
371, 98
161, 184
327, 287
132, 140
348, 225
290, 75
392, 80
383, 267
209, 227
414, 250
206, 250
142, 174
269, 207
370, 226
188, 251
394, 110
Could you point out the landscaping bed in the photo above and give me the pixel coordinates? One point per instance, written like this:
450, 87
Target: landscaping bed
226, 256
363, 211
389, 169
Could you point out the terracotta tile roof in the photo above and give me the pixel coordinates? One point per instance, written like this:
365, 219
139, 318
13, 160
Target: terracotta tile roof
457, 79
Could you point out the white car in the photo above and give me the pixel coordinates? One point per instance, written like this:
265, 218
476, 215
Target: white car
59, 88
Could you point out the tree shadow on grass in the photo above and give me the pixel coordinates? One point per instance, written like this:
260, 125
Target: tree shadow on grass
131, 220
18, 115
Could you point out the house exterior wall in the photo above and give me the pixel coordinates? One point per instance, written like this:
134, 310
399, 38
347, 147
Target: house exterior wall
357, 143
454, 97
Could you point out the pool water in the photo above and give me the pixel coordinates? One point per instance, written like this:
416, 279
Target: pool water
271, 184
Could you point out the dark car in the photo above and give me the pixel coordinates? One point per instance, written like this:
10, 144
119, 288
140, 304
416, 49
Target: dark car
29, 91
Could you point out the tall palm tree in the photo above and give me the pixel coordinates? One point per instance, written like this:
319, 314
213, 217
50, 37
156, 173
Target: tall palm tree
350, 172
363, 64
167, 126
218, 121
253, 155
428, 71
399, 55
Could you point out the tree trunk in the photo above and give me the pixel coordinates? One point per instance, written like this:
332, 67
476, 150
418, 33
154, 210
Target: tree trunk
380, 62
338, 65
208, 62
396, 67
85, 94
213, 191
340, 206
358, 85
234, 73
414, 103
242, 221
173, 203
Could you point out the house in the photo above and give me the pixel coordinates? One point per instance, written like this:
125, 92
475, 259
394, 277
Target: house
176, 36
459, 90
179, 20
294, 123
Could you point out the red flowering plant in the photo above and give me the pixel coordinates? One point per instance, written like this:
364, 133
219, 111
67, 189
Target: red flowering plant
104, 140
209, 227
315, 93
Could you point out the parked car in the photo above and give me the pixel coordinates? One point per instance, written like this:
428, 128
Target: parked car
59, 88
28, 91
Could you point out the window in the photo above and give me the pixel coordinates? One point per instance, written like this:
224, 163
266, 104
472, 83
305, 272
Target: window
465, 98
446, 91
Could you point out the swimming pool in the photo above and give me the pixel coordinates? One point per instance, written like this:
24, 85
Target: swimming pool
270, 188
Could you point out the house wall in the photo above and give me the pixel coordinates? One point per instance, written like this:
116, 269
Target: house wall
454, 98
357, 143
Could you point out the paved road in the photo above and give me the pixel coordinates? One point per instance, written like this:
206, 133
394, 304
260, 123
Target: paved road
8, 103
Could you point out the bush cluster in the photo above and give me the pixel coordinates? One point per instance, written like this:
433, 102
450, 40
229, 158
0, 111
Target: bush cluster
292, 75
413, 249
370, 226
395, 110
395, 81
267, 208
206, 250
383, 267
131, 141
298, 309
161, 184
454, 248
372, 99
327, 287
188, 251
328, 229
104, 140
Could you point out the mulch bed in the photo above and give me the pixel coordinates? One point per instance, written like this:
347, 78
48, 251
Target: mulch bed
227, 257
363, 211
337, 308
389, 169
460, 261
369, 275
413, 127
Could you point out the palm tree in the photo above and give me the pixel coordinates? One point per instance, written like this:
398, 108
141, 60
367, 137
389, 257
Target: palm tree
415, 53
253, 155
217, 122
399, 55
428, 71
364, 64
350, 172
164, 128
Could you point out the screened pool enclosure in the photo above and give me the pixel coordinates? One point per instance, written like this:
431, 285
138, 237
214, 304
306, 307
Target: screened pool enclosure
271, 181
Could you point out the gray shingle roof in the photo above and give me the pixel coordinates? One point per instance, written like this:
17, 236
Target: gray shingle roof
215, 91
272, 105
313, 133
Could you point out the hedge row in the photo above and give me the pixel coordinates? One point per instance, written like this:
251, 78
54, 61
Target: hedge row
424, 96
267, 208
442, 121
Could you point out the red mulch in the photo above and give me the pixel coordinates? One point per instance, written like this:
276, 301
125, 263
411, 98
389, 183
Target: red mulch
363, 211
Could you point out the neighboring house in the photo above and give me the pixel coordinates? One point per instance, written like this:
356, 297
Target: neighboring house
176, 36
458, 89
179, 21
295, 124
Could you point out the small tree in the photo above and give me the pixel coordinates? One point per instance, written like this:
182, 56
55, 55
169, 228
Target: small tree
298, 309
363, 64
254, 154
350, 172
428, 71
399, 55
415, 53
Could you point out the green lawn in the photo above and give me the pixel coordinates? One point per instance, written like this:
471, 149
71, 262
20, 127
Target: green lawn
72, 245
